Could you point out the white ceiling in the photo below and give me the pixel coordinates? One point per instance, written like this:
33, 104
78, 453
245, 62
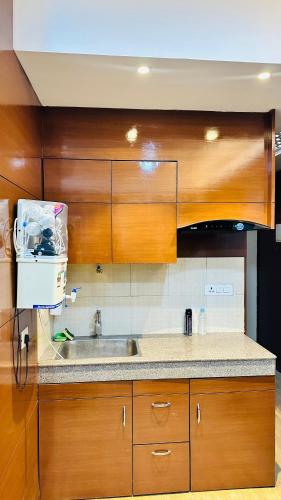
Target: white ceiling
220, 30
86, 53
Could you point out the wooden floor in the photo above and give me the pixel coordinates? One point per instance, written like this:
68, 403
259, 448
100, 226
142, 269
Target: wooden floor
252, 494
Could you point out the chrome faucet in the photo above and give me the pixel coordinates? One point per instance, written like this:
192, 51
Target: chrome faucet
98, 325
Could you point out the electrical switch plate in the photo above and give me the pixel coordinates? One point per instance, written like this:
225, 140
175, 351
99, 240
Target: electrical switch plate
221, 289
22, 336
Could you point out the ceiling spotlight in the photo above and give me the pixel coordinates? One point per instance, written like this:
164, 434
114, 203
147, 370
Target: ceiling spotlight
132, 135
264, 76
211, 134
143, 70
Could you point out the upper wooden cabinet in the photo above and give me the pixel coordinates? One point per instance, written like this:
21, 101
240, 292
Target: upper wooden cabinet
229, 169
77, 180
144, 181
89, 231
144, 233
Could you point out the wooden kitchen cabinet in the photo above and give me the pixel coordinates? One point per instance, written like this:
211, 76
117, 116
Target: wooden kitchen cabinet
233, 167
89, 231
144, 181
86, 448
144, 232
77, 180
232, 436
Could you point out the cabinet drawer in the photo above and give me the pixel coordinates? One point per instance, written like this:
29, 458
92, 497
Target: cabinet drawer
169, 386
161, 418
161, 469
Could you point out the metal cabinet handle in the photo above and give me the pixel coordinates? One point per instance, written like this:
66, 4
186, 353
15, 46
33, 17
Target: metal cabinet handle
162, 404
198, 413
124, 416
161, 453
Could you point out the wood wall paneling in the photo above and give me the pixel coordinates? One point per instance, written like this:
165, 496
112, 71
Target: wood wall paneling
20, 177
144, 181
144, 233
77, 180
32, 479
89, 227
12, 482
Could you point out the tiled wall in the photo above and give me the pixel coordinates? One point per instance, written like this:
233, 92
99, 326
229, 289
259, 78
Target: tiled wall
143, 299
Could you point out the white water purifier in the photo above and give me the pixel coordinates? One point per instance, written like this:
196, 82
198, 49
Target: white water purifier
40, 238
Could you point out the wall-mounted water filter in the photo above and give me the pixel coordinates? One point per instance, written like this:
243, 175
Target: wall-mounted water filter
40, 239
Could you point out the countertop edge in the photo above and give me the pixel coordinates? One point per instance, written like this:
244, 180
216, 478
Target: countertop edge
140, 371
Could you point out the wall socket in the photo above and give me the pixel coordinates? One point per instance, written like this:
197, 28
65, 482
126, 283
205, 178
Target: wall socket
221, 289
22, 337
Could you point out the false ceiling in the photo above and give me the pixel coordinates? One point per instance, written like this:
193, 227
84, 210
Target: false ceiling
202, 55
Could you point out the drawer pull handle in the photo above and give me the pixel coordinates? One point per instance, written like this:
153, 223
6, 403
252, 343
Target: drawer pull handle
198, 413
124, 416
161, 453
163, 404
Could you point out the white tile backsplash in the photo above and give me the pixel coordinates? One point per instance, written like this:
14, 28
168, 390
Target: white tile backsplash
149, 279
152, 298
187, 276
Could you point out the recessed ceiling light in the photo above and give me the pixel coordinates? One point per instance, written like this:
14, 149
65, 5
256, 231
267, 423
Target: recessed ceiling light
264, 76
132, 135
143, 70
211, 134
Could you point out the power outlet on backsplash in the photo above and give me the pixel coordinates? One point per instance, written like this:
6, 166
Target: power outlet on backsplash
221, 289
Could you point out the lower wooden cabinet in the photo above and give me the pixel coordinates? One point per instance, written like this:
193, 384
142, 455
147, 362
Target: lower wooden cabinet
232, 436
161, 468
86, 448
220, 436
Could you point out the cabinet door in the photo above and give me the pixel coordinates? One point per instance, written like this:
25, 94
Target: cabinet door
89, 227
144, 233
232, 440
231, 168
144, 181
86, 448
77, 180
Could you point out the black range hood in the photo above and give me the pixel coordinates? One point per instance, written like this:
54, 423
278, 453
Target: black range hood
225, 226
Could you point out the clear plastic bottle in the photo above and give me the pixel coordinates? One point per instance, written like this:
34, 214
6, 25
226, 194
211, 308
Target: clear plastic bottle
202, 321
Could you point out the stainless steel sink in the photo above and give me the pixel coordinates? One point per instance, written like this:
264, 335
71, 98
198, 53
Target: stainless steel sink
99, 348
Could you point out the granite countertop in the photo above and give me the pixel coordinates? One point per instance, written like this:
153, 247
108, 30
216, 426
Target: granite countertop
167, 356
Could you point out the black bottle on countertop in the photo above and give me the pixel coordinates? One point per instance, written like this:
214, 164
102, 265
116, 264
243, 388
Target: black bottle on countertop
188, 322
